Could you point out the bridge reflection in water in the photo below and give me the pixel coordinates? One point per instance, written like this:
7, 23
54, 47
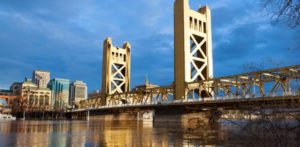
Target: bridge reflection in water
107, 133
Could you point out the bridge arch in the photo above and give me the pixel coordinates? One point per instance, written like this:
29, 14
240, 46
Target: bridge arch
204, 94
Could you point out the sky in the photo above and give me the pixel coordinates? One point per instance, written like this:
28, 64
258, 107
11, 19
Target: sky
66, 38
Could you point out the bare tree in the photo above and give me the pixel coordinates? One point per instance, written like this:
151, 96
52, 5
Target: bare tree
286, 12
283, 11
266, 63
271, 121
19, 103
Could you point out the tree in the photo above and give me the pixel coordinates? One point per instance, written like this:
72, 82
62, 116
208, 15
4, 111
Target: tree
286, 12
273, 123
59, 104
283, 11
266, 63
273, 120
19, 102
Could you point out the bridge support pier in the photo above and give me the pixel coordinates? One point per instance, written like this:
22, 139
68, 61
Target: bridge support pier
160, 114
149, 115
88, 115
215, 115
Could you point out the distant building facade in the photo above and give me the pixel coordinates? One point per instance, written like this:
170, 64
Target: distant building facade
78, 92
6, 92
36, 97
94, 94
41, 78
60, 91
147, 85
16, 88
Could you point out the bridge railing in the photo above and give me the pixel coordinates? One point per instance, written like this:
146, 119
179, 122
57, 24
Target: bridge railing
199, 100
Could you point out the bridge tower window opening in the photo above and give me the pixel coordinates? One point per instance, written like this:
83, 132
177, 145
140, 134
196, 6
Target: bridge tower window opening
191, 22
200, 26
204, 27
195, 24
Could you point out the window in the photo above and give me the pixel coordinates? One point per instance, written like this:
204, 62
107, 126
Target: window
200, 26
195, 24
36, 100
204, 27
191, 22
46, 100
41, 100
16, 87
124, 58
31, 99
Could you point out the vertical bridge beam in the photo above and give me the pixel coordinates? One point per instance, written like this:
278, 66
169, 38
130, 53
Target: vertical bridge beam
193, 47
115, 70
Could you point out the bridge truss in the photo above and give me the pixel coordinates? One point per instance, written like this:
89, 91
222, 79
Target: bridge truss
266, 83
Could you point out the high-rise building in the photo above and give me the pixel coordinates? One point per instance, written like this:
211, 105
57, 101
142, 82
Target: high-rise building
78, 92
41, 78
60, 91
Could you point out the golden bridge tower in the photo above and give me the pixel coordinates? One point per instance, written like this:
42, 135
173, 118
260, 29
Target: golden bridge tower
115, 69
193, 47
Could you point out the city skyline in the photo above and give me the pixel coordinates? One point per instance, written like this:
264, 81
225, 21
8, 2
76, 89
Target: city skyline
68, 42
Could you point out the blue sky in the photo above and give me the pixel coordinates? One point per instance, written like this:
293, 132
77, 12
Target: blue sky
66, 37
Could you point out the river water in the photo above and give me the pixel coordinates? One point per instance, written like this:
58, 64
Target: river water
107, 133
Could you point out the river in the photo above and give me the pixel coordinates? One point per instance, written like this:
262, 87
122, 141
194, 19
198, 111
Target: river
106, 133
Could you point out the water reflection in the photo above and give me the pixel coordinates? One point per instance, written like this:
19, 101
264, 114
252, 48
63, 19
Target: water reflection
106, 133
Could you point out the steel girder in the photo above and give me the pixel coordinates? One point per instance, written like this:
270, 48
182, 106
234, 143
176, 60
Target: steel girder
254, 84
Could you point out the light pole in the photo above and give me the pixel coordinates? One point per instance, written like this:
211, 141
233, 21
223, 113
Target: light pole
254, 86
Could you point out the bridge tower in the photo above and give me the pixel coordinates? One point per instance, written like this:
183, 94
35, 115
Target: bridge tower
193, 47
115, 69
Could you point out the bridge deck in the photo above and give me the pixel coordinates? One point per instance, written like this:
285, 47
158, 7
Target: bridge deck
205, 101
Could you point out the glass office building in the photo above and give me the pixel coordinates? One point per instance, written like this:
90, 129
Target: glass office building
60, 91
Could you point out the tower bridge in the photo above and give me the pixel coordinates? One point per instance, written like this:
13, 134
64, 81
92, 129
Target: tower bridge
266, 84
194, 87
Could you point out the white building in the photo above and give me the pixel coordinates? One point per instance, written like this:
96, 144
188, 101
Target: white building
78, 92
94, 94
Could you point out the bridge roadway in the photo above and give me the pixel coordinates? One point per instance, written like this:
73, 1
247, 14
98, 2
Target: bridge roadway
204, 103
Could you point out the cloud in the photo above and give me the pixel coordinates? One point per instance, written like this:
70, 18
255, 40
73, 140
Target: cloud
237, 44
153, 56
65, 38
